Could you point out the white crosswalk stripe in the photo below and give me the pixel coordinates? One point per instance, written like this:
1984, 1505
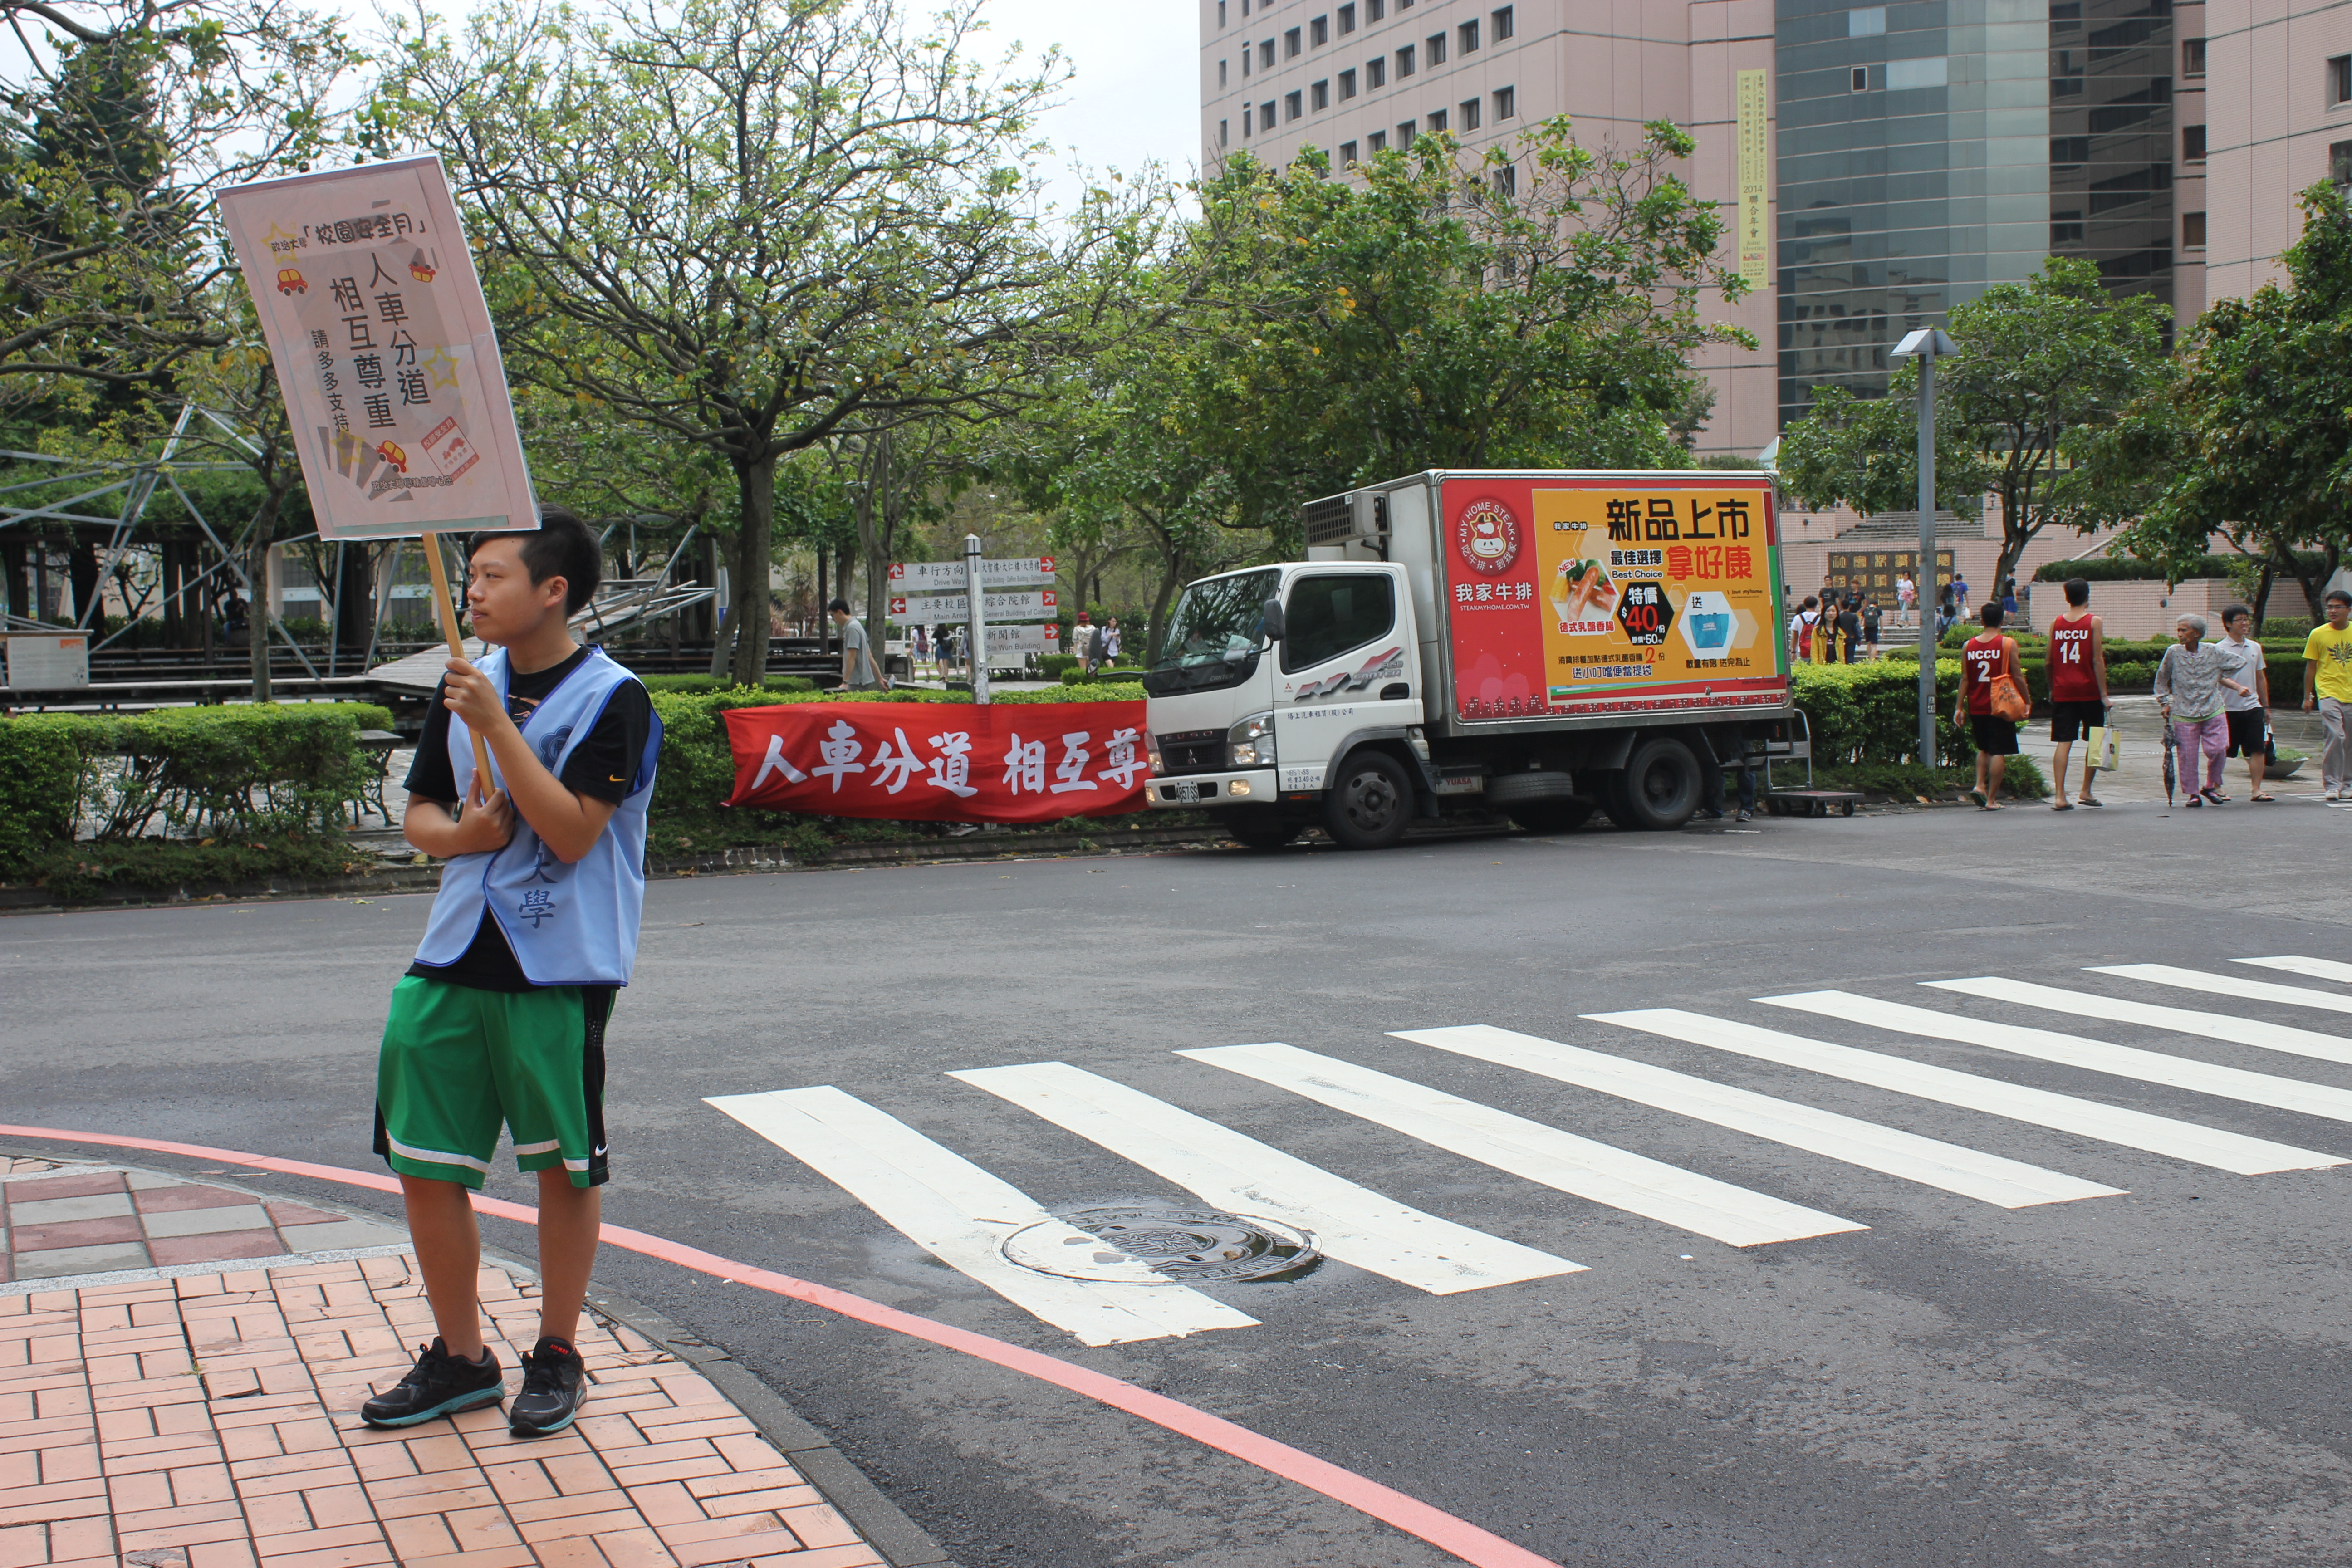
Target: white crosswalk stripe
2011, 1183
1232, 1171
2075, 1050
2282, 1038
2229, 985
964, 1216
2061, 1112
1600, 1171
2317, 968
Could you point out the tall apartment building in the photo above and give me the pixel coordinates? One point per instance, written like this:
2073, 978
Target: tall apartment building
2277, 119
1353, 77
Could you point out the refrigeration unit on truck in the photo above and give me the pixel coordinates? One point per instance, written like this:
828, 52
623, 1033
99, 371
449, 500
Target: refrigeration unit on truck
1533, 645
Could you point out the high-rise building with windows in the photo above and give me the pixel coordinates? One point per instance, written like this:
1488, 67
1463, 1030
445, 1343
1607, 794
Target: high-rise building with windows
2277, 119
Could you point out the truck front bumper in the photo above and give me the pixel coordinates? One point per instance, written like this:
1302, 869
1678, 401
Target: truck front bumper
1193, 791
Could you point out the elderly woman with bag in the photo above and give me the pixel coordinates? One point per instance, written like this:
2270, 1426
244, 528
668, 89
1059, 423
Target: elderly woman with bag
2188, 686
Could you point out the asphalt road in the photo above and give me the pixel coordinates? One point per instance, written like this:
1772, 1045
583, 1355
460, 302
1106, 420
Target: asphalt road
2154, 1377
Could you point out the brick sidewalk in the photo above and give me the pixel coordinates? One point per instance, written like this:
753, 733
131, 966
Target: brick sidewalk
208, 1421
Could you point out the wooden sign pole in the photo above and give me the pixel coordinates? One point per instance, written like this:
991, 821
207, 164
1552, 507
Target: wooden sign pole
448, 612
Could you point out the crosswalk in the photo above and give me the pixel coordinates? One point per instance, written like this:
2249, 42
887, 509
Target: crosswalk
969, 1218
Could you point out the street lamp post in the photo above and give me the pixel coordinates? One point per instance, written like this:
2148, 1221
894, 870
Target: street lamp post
1928, 345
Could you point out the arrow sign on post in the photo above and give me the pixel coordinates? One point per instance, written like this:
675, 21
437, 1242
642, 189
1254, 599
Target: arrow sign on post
1019, 604
385, 352
948, 577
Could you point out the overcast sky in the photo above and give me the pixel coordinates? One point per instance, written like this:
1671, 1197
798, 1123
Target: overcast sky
1135, 95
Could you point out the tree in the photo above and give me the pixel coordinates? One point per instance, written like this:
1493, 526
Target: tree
134, 114
2043, 366
799, 221
2254, 438
1536, 307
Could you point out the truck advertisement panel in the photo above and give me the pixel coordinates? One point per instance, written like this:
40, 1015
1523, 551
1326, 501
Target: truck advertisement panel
1611, 594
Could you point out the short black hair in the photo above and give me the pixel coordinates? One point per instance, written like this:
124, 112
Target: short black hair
564, 546
2333, 595
2232, 612
838, 607
1810, 603
1990, 614
2078, 590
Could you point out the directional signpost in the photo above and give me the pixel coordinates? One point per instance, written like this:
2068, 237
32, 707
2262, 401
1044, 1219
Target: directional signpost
979, 592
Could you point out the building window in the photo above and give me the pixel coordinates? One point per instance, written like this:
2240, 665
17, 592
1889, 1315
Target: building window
1506, 102
1868, 22
2192, 56
1347, 20
1506, 179
1348, 152
1221, 133
2192, 231
1266, 116
1436, 120
1319, 31
2066, 227
1246, 113
1291, 106
1404, 62
2339, 163
1220, 73
1320, 94
1465, 36
1246, 52
1859, 79
1380, 141
1910, 76
1436, 48
1502, 20
1221, 13
1266, 55
1405, 133
2339, 78
2192, 143
1290, 45
2067, 150
1376, 71
1245, 4
1346, 86
1469, 107
1373, 11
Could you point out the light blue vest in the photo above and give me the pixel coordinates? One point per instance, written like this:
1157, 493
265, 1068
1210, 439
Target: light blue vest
568, 925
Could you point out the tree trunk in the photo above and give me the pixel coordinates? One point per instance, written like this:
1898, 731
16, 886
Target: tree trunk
16, 582
355, 597
88, 591
2262, 595
754, 547
877, 528
1170, 574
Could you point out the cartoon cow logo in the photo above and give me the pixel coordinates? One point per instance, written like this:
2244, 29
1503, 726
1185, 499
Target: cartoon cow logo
1488, 536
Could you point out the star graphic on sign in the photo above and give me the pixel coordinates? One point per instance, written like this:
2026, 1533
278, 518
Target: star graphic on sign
276, 237
444, 366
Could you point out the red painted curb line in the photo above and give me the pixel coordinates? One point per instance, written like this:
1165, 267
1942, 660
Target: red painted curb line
1442, 1529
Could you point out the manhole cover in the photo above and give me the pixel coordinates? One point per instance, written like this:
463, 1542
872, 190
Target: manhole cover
1196, 1246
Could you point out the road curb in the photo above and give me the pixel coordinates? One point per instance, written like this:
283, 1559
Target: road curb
900, 1539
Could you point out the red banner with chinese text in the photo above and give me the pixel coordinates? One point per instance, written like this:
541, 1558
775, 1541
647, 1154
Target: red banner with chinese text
939, 762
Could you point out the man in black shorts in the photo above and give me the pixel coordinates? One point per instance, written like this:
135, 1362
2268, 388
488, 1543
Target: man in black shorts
2248, 711
2078, 688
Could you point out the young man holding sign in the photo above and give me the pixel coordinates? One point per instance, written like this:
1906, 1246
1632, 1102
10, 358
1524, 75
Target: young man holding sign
500, 1020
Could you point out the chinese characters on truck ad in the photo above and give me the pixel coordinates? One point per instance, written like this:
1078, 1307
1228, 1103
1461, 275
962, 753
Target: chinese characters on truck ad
1610, 595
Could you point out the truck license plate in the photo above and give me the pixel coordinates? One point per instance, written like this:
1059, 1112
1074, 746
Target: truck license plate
1187, 793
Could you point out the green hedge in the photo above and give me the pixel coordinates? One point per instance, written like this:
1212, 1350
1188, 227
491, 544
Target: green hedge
241, 773
1864, 720
2131, 569
709, 683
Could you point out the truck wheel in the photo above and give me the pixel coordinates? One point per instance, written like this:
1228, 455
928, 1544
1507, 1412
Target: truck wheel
1368, 802
1551, 816
1258, 827
1660, 786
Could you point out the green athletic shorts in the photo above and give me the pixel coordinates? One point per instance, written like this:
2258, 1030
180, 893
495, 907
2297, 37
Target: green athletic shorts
458, 1062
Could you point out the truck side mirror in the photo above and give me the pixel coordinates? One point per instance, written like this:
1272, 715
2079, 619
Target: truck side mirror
1270, 619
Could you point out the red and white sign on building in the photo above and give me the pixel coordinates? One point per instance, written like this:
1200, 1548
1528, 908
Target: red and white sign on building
939, 762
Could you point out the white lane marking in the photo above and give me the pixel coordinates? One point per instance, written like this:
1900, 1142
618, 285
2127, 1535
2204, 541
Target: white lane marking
1232, 1171
1546, 1155
2285, 1038
2011, 1183
961, 1214
2075, 1050
2317, 968
2228, 986
2062, 1112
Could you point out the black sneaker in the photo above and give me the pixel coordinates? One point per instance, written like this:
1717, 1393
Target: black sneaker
438, 1384
553, 1384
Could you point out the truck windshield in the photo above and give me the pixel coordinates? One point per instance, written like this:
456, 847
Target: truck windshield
1213, 637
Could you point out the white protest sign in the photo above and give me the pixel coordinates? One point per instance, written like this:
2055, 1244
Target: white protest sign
1031, 604
368, 297
947, 576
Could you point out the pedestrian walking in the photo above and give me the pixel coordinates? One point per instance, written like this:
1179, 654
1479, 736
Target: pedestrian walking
1960, 596
858, 672
500, 1020
2008, 599
1082, 642
2246, 711
2078, 688
1906, 598
2188, 688
1849, 626
1869, 627
2328, 684
1802, 627
1948, 613
1110, 641
1986, 658
920, 648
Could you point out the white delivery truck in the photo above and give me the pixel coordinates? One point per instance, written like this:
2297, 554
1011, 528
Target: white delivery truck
1535, 645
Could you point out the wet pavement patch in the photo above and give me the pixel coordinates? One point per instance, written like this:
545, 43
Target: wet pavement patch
1194, 1245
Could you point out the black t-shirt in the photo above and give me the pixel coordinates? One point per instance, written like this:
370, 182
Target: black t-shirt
602, 766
